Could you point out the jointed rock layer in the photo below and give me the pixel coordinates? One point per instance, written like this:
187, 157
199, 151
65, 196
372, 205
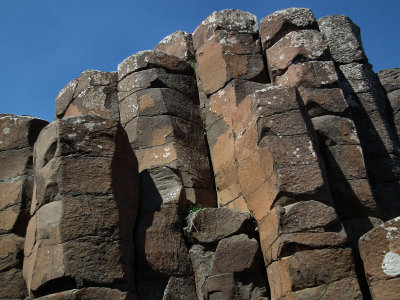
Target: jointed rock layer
237, 162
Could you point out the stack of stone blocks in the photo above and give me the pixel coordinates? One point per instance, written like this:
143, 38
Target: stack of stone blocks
237, 162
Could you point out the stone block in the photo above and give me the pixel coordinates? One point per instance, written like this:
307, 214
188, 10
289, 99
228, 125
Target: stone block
179, 44
344, 39
276, 25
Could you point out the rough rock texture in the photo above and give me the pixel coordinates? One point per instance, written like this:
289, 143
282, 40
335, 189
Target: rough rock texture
226, 257
380, 252
370, 111
179, 44
81, 230
390, 79
92, 93
285, 128
17, 137
159, 110
229, 67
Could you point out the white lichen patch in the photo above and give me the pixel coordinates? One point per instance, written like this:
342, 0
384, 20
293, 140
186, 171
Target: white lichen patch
6, 130
89, 126
311, 148
72, 135
100, 146
391, 264
390, 232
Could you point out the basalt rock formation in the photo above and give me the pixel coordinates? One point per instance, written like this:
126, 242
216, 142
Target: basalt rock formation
243, 161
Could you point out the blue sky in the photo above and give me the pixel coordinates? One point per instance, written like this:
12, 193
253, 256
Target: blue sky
46, 43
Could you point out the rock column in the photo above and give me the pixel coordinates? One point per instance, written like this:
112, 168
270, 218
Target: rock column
370, 111
17, 137
229, 67
83, 210
159, 108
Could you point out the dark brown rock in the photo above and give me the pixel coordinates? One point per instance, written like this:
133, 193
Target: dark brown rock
236, 254
59, 249
390, 79
90, 293
153, 59
210, 225
275, 26
320, 102
180, 288
307, 269
19, 131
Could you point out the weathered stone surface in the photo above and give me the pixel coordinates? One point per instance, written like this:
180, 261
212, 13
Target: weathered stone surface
210, 225
390, 79
277, 25
161, 252
236, 254
12, 285
296, 46
153, 59
303, 225
277, 157
225, 20
346, 288
19, 131
11, 247
380, 252
93, 93
312, 74
180, 288
226, 56
157, 78
306, 269
321, 102
344, 39
201, 262
345, 166
17, 137
178, 44
89, 294
61, 250
357, 227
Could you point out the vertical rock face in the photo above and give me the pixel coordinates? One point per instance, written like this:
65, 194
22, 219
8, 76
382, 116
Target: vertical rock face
92, 93
229, 67
81, 227
225, 255
159, 110
17, 137
286, 128
370, 111
390, 79
380, 252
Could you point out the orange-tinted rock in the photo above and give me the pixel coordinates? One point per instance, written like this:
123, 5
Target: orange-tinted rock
277, 157
303, 45
93, 93
380, 252
77, 223
275, 26
312, 74
178, 44
226, 56
312, 268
